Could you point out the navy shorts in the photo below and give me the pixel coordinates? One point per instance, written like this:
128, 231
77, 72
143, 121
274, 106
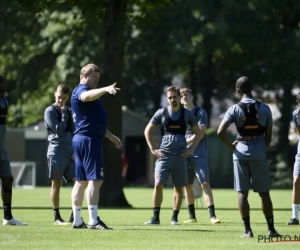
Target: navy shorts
88, 157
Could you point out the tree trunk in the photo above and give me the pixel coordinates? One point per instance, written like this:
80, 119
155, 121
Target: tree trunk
286, 110
193, 79
157, 84
206, 77
111, 192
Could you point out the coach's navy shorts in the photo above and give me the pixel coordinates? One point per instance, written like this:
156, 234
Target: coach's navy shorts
88, 157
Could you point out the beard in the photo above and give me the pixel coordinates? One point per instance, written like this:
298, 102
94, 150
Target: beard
174, 104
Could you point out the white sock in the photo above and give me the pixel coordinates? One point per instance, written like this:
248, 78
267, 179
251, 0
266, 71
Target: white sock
295, 208
77, 215
93, 214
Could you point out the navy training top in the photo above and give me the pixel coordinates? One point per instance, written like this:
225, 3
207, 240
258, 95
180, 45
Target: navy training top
89, 117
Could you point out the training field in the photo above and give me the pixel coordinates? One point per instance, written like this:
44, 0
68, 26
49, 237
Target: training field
33, 207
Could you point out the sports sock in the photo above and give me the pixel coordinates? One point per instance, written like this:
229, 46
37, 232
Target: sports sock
7, 211
156, 211
77, 215
211, 210
270, 222
247, 226
191, 208
56, 213
93, 214
295, 208
175, 215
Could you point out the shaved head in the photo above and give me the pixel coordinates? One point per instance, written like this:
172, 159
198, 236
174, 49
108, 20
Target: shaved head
244, 85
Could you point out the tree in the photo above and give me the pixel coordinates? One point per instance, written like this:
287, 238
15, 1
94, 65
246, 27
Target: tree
55, 46
111, 193
113, 14
209, 44
148, 52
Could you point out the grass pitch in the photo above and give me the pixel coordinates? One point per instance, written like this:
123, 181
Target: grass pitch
33, 207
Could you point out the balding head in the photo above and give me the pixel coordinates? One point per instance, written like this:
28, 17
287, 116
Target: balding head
243, 84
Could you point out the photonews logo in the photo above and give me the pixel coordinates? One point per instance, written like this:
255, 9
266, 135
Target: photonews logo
282, 238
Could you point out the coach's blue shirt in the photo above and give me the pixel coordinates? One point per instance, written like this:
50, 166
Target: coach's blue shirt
89, 117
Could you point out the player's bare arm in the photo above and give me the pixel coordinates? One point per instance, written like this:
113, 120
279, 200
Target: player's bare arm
202, 129
148, 135
222, 133
93, 94
114, 139
268, 136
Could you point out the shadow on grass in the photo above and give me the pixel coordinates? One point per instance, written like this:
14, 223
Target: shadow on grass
147, 208
156, 228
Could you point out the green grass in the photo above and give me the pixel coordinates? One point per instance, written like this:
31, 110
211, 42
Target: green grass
33, 206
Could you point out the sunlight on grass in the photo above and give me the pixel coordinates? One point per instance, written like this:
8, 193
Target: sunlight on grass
129, 229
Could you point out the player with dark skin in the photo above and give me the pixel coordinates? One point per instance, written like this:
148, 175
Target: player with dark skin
253, 121
5, 168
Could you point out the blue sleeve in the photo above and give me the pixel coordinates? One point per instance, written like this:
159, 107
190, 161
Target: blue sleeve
51, 119
229, 116
202, 118
157, 117
80, 90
